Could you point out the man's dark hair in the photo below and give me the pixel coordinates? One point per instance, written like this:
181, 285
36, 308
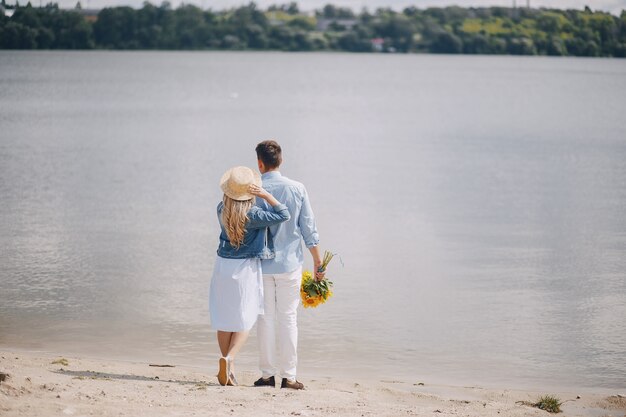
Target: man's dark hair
269, 153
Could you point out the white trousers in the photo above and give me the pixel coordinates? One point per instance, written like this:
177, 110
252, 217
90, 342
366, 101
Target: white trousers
281, 299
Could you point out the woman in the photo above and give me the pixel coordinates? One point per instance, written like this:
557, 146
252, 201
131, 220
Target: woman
236, 297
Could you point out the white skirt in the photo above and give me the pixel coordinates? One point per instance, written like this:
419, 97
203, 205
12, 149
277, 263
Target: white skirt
236, 295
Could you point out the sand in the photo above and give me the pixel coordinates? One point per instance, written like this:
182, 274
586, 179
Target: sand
46, 385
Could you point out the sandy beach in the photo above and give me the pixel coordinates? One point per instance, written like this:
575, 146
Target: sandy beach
39, 384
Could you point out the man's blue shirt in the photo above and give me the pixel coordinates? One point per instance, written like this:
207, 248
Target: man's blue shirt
288, 235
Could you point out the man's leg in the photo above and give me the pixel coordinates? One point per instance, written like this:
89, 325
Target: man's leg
287, 300
266, 329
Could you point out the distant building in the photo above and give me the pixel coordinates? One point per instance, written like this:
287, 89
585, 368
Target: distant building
90, 15
273, 18
378, 44
281, 18
323, 23
6, 12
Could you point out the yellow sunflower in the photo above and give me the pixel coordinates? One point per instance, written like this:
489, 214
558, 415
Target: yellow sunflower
312, 292
311, 302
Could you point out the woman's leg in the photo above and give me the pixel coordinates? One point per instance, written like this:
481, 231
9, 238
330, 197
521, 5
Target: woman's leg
236, 343
224, 341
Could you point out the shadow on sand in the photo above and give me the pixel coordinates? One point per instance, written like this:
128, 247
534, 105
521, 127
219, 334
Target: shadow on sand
126, 377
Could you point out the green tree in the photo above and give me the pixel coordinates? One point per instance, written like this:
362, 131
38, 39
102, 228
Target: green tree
17, 36
484, 30
446, 43
116, 28
333, 12
351, 41
521, 46
396, 28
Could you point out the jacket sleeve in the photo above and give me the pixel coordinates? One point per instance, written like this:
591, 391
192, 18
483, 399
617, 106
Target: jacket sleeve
220, 208
306, 222
258, 218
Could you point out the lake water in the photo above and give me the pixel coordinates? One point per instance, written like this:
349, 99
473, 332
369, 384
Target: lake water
478, 205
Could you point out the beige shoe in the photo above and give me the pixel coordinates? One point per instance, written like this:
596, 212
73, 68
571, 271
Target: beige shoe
232, 381
224, 372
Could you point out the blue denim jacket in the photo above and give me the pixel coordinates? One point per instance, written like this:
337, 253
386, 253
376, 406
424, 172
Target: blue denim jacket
257, 242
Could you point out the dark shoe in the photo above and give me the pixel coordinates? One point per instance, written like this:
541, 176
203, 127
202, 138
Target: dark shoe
291, 384
262, 382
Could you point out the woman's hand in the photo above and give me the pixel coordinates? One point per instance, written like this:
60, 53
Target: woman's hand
262, 193
258, 191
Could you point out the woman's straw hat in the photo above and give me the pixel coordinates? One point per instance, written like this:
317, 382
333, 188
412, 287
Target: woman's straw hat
235, 182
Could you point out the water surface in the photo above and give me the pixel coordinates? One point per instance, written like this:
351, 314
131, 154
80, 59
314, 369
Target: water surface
477, 203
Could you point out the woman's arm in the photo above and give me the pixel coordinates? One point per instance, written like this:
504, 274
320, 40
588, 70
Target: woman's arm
262, 192
257, 217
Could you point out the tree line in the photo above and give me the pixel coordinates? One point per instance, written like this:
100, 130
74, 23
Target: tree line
454, 30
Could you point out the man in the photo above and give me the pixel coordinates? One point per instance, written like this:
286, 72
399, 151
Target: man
282, 275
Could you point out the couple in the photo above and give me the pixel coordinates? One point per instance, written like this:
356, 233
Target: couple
258, 269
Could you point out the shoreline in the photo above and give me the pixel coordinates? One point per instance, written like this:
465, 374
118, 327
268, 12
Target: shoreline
89, 386
248, 361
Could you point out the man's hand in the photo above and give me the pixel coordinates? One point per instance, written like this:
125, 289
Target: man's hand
317, 263
319, 275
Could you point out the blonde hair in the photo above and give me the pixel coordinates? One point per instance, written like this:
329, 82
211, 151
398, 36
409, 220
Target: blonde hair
234, 218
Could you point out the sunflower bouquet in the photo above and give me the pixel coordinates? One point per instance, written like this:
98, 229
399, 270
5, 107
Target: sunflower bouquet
312, 291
